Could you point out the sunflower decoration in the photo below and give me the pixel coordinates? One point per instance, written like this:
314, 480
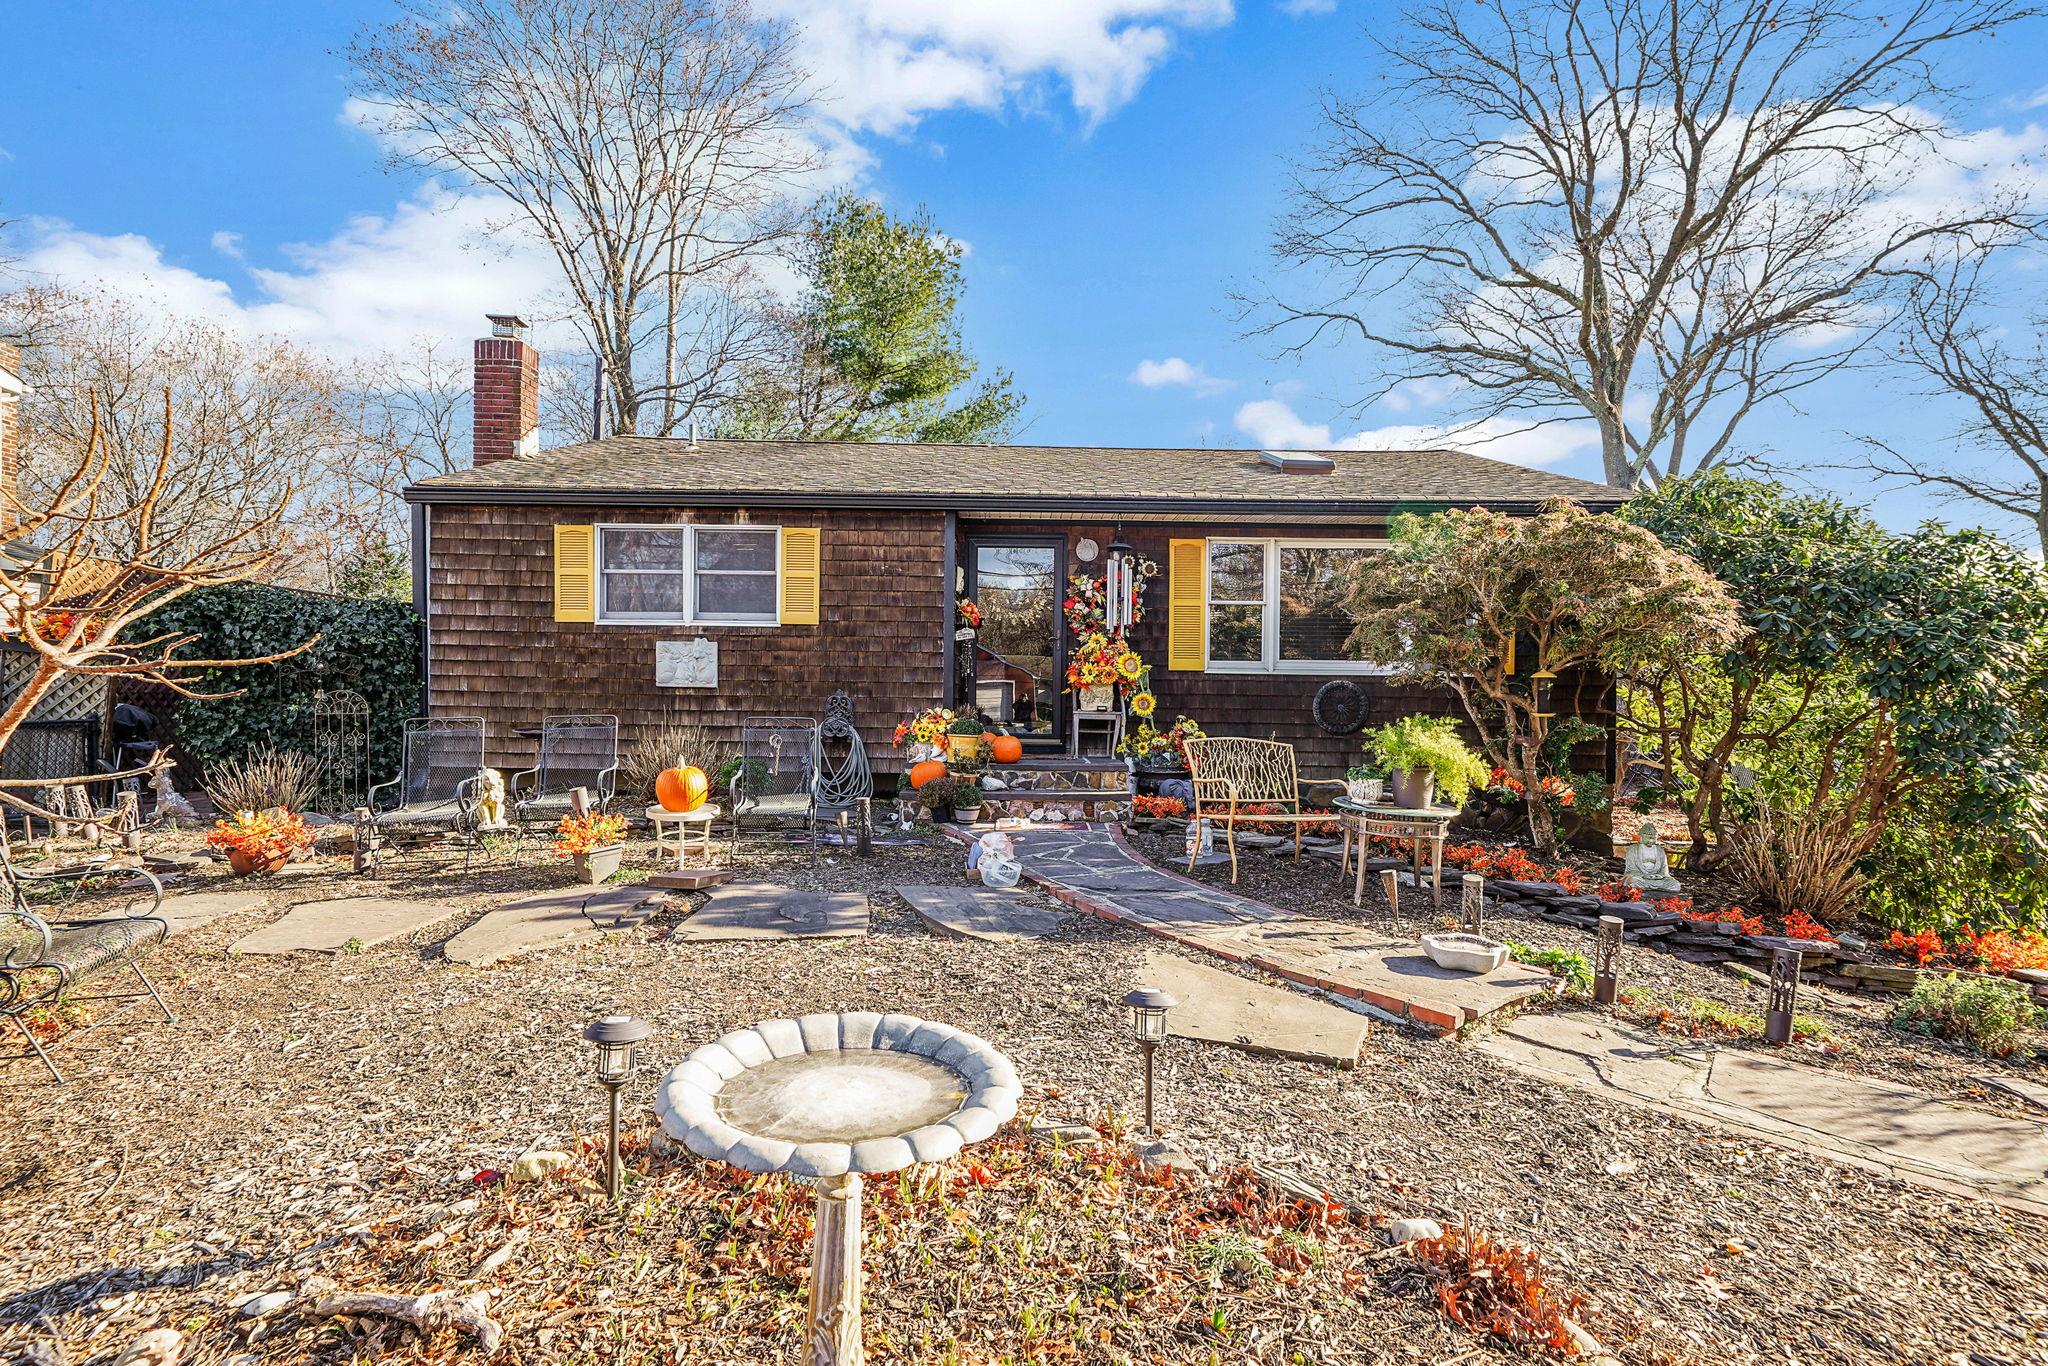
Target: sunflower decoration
1143, 704
1129, 665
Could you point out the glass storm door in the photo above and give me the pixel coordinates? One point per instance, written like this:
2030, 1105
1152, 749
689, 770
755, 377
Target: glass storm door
1021, 651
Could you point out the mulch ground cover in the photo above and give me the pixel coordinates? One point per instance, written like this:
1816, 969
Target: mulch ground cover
339, 1124
1703, 1002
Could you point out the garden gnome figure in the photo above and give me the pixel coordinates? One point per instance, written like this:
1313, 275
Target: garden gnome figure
1646, 865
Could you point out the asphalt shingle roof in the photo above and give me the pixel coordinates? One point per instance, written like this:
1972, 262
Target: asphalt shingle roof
628, 469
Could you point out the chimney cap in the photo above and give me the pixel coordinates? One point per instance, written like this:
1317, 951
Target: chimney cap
507, 324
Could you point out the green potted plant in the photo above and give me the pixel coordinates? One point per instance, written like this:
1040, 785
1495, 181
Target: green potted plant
967, 802
1366, 780
1425, 759
963, 737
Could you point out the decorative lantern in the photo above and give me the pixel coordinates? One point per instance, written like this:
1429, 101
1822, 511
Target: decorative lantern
618, 1048
1540, 684
1148, 1022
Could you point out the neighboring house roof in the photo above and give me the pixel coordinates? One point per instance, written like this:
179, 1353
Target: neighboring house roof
662, 470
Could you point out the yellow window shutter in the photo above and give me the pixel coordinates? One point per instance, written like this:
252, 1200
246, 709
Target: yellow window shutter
1187, 606
575, 573
802, 568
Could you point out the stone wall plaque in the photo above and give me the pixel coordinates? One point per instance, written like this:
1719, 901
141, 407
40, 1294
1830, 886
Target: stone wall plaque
686, 663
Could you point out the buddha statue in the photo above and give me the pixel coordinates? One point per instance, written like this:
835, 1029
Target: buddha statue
1646, 866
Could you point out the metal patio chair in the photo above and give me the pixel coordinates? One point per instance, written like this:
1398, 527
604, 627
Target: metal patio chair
44, 955
776, 781
436, 783
579, 750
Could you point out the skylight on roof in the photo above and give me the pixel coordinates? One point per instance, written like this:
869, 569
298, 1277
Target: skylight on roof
1298, 462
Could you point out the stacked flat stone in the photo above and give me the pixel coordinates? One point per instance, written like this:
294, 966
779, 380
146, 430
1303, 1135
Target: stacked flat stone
686, 1100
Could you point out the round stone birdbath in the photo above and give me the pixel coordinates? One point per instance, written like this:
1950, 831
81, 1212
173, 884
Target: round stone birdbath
833, 1098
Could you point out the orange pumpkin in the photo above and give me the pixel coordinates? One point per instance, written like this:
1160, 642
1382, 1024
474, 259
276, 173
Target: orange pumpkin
681, 789
920, 774
1004, 749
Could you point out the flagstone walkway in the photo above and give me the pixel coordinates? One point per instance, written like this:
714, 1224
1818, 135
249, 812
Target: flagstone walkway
1092, 869
1877, 1125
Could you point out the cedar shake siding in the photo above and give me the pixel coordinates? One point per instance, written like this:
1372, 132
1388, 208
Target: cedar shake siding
1273, 706
496, 650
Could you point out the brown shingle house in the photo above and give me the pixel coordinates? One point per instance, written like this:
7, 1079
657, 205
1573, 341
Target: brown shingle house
711, 580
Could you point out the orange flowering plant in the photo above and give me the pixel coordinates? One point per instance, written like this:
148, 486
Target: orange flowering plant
587, 834
260, 835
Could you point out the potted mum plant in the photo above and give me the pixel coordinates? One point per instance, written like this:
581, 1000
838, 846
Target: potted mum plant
595, 843
1426, 759
937, 798
259, 843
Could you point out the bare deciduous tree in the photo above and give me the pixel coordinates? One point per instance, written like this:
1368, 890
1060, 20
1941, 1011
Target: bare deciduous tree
81, 609
1656, 214
649, 144
2001, 374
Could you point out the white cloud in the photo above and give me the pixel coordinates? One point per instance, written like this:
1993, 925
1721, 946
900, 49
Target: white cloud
885, 64
1299, 8
1275, 426
1176, 372
381, 282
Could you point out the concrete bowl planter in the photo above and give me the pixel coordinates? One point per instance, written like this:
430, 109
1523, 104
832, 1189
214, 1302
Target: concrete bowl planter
1464, 952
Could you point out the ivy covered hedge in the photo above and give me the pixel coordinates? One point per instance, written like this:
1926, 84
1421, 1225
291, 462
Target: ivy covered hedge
369, 646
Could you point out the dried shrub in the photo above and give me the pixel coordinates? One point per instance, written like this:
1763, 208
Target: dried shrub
1499, 1289
264, 780
674, 744
1803, 862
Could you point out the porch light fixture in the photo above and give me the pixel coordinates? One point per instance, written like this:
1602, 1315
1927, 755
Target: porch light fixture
1148, 1022
618, 1039
1540, 684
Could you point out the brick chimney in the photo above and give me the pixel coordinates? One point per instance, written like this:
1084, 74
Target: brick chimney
11, 390
504, 394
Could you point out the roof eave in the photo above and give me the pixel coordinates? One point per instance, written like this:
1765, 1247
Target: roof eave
1133, 505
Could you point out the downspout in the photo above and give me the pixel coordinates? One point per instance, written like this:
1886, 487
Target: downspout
949, 688
422, 601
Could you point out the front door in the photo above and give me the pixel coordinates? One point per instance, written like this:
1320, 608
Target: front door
1020, 656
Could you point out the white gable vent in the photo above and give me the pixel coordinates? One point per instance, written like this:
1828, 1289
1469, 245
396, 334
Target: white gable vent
1298, 462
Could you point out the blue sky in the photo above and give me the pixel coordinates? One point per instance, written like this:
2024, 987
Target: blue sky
1114, 166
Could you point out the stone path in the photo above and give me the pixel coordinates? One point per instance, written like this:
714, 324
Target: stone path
1876, 1125
331, 926
981, 913
763, 910
190, 910
1222, 1007
1094, 870
551, 919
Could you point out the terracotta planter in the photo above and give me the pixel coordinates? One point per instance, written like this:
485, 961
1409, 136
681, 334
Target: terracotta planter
1414, 788
599, 864
969, 814
256, 865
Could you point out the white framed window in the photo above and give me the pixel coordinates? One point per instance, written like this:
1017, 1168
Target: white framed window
675, 574
1277, 605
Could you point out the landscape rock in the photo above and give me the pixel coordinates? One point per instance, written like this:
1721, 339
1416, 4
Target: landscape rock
1414, 1230
536, 1165
157, 1347
263, 1306
1163, 1154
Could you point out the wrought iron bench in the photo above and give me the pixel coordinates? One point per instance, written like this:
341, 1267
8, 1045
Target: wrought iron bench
1249, 782
42, 957
580, 751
